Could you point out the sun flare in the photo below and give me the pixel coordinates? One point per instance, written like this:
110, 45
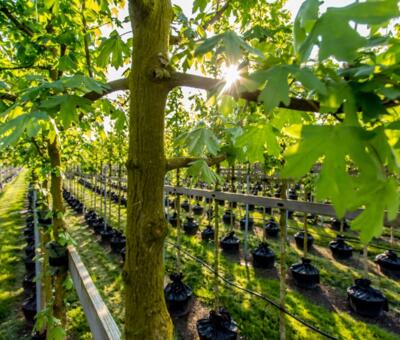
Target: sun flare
231, 75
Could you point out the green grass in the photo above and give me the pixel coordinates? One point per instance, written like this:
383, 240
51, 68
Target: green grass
256, 319
12, 202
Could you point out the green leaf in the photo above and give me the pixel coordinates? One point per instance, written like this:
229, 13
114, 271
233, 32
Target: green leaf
67, 105
256, 140
310, 81
200, 170
341, 42
305, 19
115, 48
208, 44
369, 12
370, 221
56, 333
199, 140
302, 156
276, 89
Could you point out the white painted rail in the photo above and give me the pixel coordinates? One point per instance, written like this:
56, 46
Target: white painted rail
99, 318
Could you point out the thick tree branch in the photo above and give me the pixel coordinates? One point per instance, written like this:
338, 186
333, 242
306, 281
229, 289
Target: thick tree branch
112, 86
205, 83
184, 162
208, 84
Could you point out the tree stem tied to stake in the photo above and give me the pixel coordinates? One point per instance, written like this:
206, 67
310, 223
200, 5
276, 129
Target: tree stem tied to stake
119, 195
105, 196
305, 243
178, 224
216, 246
282, 246
246, 227
365, 258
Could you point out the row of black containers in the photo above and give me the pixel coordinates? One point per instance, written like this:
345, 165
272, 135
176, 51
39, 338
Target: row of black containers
305, 275
179, 296
57, 257
362, 298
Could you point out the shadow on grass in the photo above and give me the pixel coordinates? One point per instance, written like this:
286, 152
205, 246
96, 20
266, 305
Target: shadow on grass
12, 201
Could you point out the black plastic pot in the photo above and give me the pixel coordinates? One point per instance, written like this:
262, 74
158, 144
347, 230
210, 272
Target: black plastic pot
271, 228
43, 219
107, 235
233, 205
228, 217
263, 256
78, 208
29, 263
190, 226
230, 243
28, 231
304, 274
178, 296
58, 255
221, 202
117, 243
207, 234
30, 250
243, 223
185, 205
29, 309
292, 194
197, 209
340, 249
299, 238
365, 300
173, 220
98, 226
29, 284
217, 326
335, 225
389, 262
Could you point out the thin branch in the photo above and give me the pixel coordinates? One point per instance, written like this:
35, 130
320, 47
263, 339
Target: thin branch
8, 96
23, 67
184, 162
218, 14
39, 150
25, 29
85, 39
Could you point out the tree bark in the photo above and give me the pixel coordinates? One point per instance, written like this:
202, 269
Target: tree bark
59, 310
146, 315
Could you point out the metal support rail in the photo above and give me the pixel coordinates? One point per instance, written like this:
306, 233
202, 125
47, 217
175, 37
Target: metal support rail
271, 202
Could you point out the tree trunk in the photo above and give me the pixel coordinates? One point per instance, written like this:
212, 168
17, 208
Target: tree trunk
58, 224
146, 315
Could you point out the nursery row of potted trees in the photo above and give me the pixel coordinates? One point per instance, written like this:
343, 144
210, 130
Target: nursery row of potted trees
305, 275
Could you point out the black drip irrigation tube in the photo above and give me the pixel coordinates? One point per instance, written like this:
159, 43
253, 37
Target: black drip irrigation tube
248, 291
